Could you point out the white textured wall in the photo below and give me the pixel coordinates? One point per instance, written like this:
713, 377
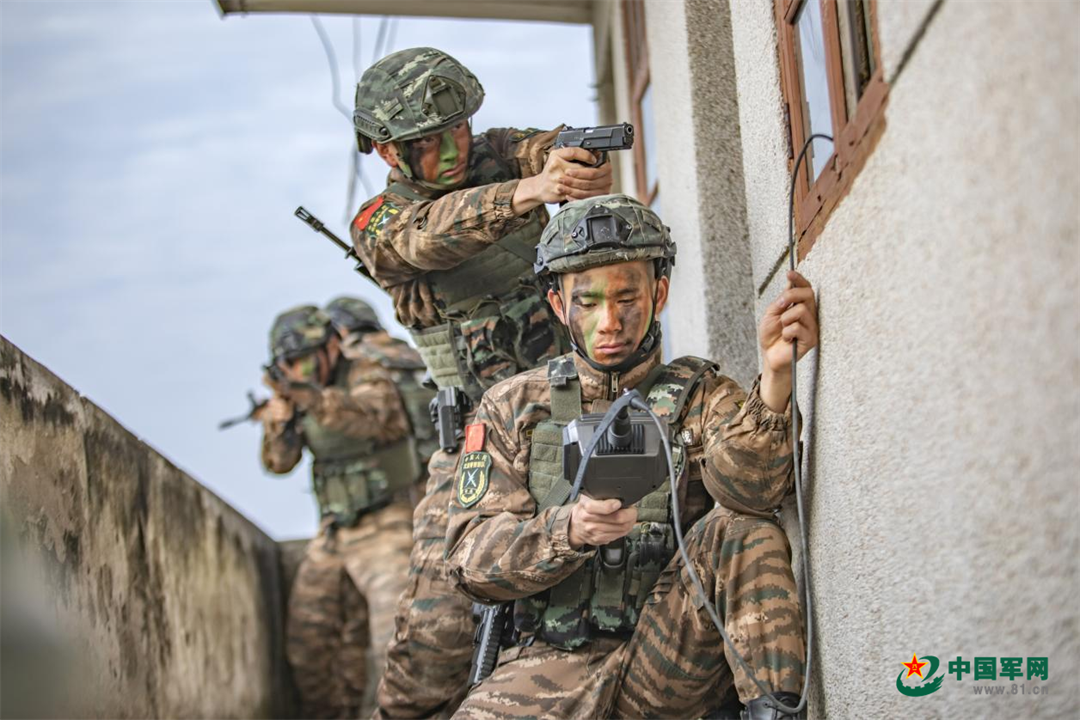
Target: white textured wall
943, 405
699, 162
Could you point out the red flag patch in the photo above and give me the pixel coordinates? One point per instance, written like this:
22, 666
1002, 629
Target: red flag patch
362, 220
474, 437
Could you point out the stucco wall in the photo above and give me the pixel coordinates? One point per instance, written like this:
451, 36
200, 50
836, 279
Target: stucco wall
129, 589
701, 197
943, 403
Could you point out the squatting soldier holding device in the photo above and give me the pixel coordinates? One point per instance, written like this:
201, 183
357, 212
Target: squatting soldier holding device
452, 240
597, 633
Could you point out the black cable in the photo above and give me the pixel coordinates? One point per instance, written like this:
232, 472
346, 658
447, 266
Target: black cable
357, 56
392, 36
331, 58
605, 422
380, 39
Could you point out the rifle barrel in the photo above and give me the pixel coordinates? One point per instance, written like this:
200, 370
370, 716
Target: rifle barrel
318, 226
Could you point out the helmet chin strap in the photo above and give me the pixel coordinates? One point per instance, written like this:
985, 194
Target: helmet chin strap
644, 349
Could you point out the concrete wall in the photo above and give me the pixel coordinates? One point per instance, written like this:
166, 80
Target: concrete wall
943, 409
129, 589
699, 165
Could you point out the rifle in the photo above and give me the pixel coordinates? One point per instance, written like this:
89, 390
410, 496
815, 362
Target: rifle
256, 406
318, 226
601, 139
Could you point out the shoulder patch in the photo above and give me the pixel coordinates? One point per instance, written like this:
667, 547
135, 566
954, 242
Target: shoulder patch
474, 437
473, 478
364, 216
372, 218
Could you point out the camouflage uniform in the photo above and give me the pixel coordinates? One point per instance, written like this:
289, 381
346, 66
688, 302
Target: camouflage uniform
650, 650
458, 266
347, 586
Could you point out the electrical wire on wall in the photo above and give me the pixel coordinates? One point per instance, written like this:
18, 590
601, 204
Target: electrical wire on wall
356, 164
335, 81
331, 59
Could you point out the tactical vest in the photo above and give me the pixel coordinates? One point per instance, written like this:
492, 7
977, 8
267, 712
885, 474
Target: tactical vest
595, 597
408, 375
487, 305
351, 475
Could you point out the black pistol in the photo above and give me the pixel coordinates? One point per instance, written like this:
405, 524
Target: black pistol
599, 140
448, 410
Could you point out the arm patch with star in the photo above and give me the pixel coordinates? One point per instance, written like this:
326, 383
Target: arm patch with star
374, 217
473, 478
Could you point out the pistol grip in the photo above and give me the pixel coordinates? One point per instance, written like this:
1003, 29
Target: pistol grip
600, 161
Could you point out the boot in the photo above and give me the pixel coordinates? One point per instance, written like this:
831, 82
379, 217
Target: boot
763, 708
731, 710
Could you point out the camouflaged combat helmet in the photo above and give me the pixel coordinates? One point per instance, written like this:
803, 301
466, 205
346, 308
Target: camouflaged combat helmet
600, 231
413, 93
298, 331
352, 314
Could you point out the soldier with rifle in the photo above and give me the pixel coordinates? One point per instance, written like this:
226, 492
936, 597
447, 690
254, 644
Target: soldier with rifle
345, 399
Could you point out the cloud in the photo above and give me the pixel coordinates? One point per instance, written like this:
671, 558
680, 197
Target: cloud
152, 156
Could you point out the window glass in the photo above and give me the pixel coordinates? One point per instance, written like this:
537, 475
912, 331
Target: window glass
856, 56
647, 136
817, 115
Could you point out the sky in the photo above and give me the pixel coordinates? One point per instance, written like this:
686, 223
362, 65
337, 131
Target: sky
151, 157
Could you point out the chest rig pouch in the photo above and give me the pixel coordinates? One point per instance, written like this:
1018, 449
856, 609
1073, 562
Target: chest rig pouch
598, 597
350, 475
495, 318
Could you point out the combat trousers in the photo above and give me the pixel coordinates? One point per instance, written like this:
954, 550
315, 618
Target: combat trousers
675, 664
342, 602
427, 664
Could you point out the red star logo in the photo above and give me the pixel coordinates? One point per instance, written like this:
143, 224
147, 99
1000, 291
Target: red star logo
914, 667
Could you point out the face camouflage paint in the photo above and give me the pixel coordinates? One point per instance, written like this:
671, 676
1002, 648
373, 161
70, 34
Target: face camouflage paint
608, 310
435, 158
307, 366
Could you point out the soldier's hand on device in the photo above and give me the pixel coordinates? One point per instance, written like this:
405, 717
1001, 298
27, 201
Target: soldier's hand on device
598, 522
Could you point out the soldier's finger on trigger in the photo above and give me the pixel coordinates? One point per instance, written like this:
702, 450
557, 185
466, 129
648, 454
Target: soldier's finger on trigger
580, 155
589, 173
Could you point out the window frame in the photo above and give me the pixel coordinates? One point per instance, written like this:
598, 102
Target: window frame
636, 51
854, 137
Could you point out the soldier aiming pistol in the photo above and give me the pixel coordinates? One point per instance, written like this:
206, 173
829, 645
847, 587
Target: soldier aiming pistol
599, 140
